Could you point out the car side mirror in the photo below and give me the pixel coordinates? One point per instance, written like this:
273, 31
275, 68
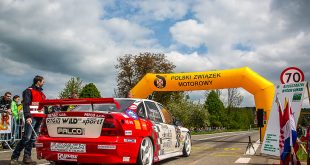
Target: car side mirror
177, 122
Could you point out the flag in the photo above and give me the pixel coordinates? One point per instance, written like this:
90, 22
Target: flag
288, 133
293, 137
281, 138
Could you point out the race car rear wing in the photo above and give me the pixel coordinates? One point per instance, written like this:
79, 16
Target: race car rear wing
80, 101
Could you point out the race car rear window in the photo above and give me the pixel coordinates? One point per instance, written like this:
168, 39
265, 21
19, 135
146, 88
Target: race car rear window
110, 107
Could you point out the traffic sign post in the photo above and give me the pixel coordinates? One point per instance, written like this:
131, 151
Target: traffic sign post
292, 75
308, 145
291, 90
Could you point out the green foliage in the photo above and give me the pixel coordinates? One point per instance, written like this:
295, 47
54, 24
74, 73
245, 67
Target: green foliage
230, 117
216, 109
90, 91
240, 118
74, 85
192, 115
198, 116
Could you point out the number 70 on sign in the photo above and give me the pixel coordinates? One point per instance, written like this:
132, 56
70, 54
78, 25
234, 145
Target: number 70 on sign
292, 75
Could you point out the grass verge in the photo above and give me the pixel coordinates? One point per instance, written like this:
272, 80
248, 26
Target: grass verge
217, 131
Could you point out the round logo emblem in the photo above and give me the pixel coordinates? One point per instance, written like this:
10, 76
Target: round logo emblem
132, 114
160, 81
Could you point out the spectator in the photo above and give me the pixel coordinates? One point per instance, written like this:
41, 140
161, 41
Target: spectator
16, 116
299, 131
5, 103
74, 95
68, 108
5, 111
129, 95
33, 114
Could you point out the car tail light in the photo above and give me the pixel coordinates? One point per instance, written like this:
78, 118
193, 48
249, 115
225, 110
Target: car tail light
43, 130
111, 127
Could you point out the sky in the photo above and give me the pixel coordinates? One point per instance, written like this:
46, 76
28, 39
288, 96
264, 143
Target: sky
69, 38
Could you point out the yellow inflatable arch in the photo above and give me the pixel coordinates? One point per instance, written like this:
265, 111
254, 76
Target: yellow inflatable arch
262, 89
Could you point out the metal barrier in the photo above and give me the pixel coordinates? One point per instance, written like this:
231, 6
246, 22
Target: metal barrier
10, 130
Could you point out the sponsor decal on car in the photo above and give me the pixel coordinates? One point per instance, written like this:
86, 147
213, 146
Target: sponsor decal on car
93, 115
106, 147
128, 132
133, 107
70, 120
167, 144
74, 120
53, 121
89, 127
130, 140
56, 114
129, 122
143, 124
68, 147
137, 124
38, 145
67, 157
132, 114
93, 121
178, 136
126, 159
70, 131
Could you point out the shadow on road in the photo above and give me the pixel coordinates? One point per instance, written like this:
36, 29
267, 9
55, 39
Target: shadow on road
167, 160
6, 162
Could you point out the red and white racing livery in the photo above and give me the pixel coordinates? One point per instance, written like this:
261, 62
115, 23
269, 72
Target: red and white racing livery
110, 131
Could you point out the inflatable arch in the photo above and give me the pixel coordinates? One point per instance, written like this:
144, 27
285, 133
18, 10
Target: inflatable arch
262, 89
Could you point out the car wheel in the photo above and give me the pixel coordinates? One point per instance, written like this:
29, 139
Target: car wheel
187, 145
146, 152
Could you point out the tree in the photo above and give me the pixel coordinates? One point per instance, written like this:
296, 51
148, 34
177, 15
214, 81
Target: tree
198, 115
74, 85
90, 91
241, 118
215, 107
234, 98
192, 115
132, 68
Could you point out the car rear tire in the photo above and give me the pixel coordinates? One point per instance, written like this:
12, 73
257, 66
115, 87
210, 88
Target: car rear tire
146, 152
187, 145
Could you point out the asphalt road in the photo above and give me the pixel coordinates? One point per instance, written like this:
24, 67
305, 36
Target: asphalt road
223, 149
216, 149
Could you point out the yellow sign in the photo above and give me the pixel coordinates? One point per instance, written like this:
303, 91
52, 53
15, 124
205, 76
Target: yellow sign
262, 89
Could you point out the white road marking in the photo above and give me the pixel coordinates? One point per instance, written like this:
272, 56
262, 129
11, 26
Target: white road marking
250, 150
221, 136
5, 151
243, 160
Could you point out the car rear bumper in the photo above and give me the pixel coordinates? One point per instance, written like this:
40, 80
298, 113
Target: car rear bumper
103, 150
